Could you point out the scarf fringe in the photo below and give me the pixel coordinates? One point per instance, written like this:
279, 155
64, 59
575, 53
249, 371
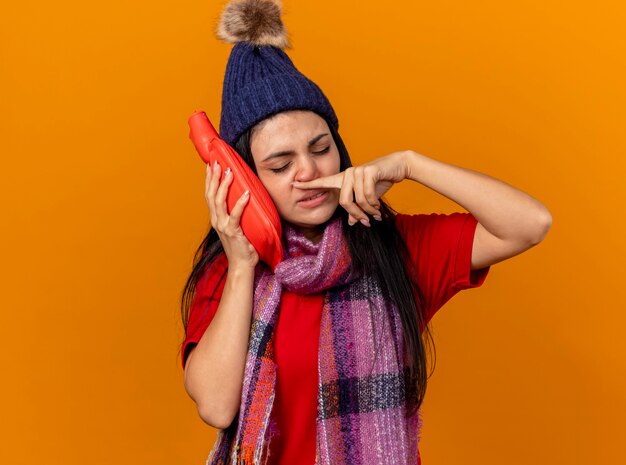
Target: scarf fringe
238, 455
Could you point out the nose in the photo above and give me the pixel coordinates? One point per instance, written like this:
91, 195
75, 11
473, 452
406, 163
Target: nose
307, 169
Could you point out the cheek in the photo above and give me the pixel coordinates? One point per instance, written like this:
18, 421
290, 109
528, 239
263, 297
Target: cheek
279, 190
336, 163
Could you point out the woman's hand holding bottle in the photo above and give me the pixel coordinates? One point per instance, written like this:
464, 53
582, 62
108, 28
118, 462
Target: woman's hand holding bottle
238, 249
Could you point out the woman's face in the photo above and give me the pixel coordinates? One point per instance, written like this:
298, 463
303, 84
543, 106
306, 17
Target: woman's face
297, 146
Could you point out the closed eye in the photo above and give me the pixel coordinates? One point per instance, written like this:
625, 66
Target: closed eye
278, 170
283, 168
322, 151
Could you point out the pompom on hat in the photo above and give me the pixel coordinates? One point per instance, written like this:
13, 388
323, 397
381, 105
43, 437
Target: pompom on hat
261, 80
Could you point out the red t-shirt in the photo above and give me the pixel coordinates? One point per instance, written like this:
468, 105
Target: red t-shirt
440, 247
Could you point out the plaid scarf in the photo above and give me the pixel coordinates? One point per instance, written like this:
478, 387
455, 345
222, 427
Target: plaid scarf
361, 381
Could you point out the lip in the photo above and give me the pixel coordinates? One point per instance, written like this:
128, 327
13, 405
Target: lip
311, 193
315, 202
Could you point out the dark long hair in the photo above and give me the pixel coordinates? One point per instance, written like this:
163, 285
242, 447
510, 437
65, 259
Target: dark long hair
378, 251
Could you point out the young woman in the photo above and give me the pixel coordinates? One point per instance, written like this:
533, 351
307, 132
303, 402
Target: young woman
324, 360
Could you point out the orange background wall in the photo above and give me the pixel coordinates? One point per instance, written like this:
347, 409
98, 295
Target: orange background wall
103, 206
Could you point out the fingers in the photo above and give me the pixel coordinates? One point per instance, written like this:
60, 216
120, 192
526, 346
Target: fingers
364, 190
369, 190
346, 199
359, 185
216, 194
332, 182
237, 211
209, 192
220, 195
235, 243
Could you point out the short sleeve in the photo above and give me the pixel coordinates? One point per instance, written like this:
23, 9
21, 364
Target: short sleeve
205, 302
440, 248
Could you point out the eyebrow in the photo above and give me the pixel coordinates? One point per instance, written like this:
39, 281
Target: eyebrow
291, 152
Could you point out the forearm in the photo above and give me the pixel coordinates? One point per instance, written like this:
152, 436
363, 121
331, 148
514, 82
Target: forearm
215, 368
506, 212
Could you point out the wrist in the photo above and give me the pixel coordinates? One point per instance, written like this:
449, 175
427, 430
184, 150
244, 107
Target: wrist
240, 270
412, 164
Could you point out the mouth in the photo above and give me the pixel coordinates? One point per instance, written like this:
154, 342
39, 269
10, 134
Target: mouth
312, 196
314, 200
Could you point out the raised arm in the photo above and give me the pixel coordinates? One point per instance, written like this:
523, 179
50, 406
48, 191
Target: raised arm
215, 367
509, 220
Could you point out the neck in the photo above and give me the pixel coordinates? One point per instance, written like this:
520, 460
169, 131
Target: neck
314, 234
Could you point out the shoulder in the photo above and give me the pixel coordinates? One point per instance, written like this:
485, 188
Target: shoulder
432, 224
213, 276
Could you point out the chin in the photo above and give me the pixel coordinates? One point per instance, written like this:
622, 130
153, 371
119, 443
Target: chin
313, 218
